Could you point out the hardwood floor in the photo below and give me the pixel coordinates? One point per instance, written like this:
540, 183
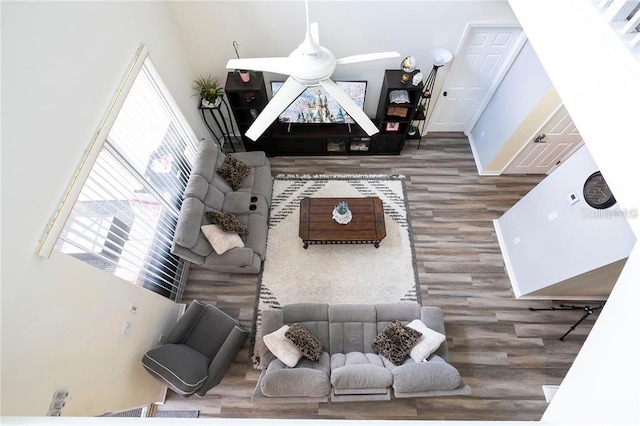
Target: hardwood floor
503, 351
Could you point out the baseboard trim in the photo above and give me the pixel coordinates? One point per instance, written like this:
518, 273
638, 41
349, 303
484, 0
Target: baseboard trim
476, 158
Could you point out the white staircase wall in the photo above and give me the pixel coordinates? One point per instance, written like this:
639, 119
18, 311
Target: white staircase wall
598, 78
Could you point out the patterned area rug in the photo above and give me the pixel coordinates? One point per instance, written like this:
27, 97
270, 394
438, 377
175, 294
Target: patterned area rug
344, 273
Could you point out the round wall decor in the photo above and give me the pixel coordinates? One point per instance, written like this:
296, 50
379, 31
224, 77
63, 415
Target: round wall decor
596, 192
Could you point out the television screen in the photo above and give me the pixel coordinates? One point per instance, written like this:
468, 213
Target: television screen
315, 105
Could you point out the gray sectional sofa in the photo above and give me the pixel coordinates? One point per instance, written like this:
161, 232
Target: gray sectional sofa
350, 370
207, 191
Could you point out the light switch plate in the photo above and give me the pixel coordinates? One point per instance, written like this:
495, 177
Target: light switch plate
126, 328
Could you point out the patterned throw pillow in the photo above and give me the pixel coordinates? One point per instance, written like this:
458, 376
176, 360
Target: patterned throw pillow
233, 171
228, 222
306, 342
395, 341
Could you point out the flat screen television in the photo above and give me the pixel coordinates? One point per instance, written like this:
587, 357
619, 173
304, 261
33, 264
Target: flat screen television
316, 106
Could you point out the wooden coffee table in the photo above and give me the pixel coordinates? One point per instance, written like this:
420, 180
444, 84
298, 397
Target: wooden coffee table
317, 225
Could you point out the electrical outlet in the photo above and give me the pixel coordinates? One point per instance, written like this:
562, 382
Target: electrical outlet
126, 328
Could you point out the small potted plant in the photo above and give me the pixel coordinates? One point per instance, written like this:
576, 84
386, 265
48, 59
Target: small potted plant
420, 112
413, 130
209, 90
341, 213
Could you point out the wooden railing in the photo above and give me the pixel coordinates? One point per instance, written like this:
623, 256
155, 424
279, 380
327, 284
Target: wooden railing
624, 17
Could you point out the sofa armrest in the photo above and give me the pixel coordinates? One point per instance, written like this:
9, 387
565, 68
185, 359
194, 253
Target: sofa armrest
252, 158
433, 318
240, 256
223, 359
189, 221
187, 254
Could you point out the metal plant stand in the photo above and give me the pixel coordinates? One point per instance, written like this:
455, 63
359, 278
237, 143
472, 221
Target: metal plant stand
220, 120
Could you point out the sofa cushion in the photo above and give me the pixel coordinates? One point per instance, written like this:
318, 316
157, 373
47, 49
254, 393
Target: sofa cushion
427, 343
196, 187
395, 341
282, 347
220, 240
227, 222
356, 370
184, 368
308, 379
214, 198
352, 328
233, 171
424, 376
306, 342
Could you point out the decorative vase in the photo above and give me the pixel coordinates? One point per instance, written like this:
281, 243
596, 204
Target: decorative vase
342, 214
207, 104
245, 76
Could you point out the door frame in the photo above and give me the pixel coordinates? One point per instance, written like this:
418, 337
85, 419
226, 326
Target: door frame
539, 130
495, 82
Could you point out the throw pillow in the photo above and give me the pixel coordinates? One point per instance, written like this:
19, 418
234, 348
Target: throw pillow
395, 341
308, 344
427, 343
233, 171
282, 347
228, 222
220, 240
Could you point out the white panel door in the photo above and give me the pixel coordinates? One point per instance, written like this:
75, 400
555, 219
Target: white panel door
484, 56
556, 141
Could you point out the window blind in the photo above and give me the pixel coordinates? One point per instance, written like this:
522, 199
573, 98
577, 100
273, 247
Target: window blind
124, 219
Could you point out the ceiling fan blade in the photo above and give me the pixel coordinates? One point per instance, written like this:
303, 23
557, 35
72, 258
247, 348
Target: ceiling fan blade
349, 106
288, 93
277, 65
366, 57
315, 32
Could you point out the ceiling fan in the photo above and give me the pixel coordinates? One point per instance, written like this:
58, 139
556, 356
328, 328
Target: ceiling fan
309, 65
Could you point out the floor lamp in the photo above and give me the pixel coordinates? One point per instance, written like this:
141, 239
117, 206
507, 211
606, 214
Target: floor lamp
439, 57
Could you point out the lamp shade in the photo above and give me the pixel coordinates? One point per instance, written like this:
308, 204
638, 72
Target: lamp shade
440, 56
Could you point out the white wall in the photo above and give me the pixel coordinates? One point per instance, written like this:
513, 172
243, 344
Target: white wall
520, 91
546, 240
62, 319
276, 28
598, 80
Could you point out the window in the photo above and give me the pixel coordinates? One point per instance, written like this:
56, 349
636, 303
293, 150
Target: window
125, 214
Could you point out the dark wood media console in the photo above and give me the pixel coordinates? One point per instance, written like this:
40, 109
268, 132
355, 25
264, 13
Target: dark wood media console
249, 99
319, 139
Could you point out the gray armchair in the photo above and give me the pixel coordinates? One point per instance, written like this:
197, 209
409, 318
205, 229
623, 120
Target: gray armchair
198, 351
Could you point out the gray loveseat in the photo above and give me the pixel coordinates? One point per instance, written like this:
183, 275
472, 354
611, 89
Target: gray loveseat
351, 370
207, 191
